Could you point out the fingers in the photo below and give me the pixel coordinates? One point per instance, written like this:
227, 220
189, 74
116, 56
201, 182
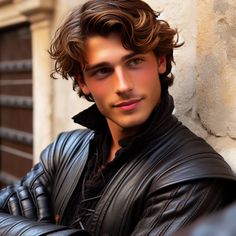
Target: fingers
14, 206
26, 203
32, 203
43, 204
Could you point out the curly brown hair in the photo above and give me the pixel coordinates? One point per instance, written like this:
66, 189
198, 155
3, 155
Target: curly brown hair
136, 23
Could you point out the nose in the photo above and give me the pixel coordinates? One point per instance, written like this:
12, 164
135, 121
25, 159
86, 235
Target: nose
123, 81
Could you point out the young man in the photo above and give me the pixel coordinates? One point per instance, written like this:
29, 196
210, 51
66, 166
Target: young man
136, 170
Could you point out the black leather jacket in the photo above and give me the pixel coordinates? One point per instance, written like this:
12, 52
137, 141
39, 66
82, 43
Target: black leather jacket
172, 178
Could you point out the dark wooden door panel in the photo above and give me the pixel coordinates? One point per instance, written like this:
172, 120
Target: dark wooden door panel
16, 104
15, 43
15, 89
17, 118
15, 162
21, 146
14, 78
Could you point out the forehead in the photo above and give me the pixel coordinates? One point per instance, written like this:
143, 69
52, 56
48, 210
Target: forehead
104, 49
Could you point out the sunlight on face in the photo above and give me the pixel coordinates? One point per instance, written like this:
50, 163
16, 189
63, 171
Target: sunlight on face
125, 85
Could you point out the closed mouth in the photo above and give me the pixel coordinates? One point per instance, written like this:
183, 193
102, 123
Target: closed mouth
127, 102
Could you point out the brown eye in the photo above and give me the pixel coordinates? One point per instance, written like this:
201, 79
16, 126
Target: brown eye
134, 62
102, 72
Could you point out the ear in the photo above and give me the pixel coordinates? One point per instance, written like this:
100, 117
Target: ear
161, 64
83, 86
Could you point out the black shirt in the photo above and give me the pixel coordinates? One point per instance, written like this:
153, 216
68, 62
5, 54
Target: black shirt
95, 177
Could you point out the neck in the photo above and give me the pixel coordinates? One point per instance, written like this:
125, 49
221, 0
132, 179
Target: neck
117, 134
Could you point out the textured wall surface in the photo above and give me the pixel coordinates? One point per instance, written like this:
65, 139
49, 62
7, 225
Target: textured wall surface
66, 102
216, 86
216, 67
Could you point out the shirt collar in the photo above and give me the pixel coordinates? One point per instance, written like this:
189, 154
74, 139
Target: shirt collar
91, 118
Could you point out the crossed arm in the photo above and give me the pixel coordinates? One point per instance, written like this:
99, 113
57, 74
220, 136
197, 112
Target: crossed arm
32, 204
26, 210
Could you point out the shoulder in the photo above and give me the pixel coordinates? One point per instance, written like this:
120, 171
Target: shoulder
191, 158
70, 139
67, 146
78, 135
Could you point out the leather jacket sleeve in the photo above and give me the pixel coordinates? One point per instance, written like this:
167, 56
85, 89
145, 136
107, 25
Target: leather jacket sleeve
26, 207
18, 225
174, 207
30, 211
29, 197
14, 197
219, 224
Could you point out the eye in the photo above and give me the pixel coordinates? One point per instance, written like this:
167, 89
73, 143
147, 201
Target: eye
101, 72
135, 62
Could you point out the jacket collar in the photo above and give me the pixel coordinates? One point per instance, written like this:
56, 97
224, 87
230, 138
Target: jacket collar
91, 118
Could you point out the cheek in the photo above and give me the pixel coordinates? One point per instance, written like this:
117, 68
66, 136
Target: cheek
97, 90
152, 70
149, 77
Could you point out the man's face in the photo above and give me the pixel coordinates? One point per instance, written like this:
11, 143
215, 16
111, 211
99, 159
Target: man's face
124, 85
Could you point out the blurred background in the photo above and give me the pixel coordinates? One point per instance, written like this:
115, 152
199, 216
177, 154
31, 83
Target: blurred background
34, 108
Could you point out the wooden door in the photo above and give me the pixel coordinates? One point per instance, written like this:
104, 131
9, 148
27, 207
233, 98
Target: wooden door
16, 105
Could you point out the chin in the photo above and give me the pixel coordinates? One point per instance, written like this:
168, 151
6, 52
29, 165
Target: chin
132, 123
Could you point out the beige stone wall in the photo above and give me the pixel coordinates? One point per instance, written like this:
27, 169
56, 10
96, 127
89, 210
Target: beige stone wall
66, 103
216, 68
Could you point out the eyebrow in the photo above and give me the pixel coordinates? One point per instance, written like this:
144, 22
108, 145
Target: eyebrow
103, 64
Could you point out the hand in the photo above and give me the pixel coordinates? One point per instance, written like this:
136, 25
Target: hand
33, 203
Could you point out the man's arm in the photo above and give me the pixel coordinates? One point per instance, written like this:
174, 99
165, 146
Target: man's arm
218, 224
29, 201
28, 198
168, 210
18, 225
34, 203
26, 209
49, 177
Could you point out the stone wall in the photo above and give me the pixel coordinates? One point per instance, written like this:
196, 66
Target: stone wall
216, 72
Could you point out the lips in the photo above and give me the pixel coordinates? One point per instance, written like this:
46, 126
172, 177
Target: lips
128, 104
